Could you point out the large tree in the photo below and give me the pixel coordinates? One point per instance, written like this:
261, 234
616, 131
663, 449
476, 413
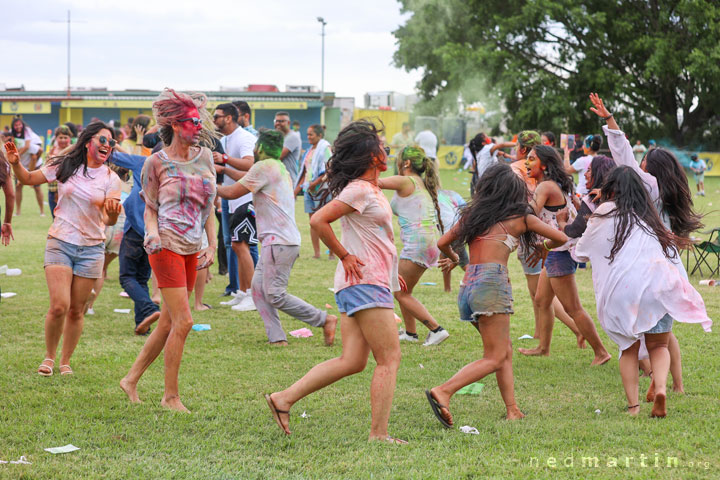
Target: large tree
656, 62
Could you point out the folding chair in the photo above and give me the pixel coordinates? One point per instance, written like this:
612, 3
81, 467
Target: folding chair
706, 251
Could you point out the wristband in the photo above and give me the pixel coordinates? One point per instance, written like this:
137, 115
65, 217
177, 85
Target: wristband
608, 117
225, 158
545, 245
346, 254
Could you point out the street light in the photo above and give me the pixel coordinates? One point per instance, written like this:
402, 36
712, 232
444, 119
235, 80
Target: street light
322, 70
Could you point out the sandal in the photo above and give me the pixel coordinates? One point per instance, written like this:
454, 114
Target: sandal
436, 409
67, 370
395, 441
46, 370
276, 413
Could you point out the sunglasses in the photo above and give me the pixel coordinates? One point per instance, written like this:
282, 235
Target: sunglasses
387, 150
106, 141
195, 121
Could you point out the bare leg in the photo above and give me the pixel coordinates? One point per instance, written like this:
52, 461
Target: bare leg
558, 311
181, 322
200, 282
629, 373
676, 363
59, 280
410, 307
315, 239
40, 200
99, 282
79, 292
495, 332
544, 317
18, 199
657, 345
156, 297
246, 267
506, 385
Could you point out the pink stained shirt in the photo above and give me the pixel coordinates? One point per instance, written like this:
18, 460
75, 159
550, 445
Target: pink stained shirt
367, 233
79, 211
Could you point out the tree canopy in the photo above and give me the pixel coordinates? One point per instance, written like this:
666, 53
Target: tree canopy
655, 62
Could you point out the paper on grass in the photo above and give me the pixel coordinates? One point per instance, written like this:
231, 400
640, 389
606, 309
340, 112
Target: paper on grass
201, 327
526, 337
428, 283
301, 333
469, 429
472, 389
7, 294
66, 449
122, 310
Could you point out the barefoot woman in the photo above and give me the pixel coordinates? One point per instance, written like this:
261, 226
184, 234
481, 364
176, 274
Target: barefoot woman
179, 188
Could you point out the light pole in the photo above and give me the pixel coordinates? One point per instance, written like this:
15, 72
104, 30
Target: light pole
322, 71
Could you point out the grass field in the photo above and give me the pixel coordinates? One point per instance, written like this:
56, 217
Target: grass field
225, 371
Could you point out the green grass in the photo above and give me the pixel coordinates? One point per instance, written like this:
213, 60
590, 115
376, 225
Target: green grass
231, 434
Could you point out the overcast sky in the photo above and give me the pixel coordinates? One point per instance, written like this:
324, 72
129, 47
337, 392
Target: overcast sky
202, 45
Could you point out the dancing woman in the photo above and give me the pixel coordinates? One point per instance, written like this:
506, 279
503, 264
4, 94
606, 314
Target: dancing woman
495, 222
554, 193
416, 205
364, 280
6, 233
179, 189
88, 200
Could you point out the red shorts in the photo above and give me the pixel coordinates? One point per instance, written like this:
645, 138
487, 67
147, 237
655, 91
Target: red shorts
173, 270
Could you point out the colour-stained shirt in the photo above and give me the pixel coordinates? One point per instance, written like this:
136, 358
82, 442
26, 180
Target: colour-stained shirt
274, 201
182, 194
418, 226
367, 233
81, 199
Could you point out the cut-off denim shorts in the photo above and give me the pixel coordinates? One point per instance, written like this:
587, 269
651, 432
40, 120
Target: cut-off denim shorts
664, 325
85, 261
486, 291
559, 264
527, 269
363, 297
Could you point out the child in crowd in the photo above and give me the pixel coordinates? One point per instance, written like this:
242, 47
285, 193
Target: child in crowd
698, 167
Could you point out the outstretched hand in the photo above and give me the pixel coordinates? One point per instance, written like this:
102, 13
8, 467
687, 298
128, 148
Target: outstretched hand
598, 107
12, 153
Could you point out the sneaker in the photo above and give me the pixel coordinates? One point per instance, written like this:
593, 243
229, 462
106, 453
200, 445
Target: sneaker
245, 305
236, 298
436, 338
407, 338
90, 311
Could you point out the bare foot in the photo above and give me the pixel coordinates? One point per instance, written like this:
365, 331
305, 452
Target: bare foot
633, 411
332, 257
650, 396
534, 352
443, 399
281, 343
601, 360
174, 403
678, 389
144, 326
201, 308
514, 413
388, 439
280, 411
659, 409
156, 300
329, 329
130, 390
580, 341
317, 255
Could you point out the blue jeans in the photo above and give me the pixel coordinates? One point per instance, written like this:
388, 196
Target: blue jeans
134, 274
232, 262
52, 202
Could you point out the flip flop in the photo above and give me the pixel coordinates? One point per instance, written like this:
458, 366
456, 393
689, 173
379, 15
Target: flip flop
436, 409
46, 370
276, 413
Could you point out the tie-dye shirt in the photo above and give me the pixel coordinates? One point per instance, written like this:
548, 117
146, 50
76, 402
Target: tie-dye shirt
367, 233
182, 194
274, 201
79, 211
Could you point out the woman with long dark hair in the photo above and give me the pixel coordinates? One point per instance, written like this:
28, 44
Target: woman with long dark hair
415, 203
638, 290
553, 193
496, 221
365, 278
88, 200
179, 187
669, 192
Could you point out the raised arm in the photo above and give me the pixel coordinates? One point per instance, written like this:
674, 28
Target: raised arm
36, 177
401, 184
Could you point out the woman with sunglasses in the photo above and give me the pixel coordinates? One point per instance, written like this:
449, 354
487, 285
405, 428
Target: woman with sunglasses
179, 187
88, 200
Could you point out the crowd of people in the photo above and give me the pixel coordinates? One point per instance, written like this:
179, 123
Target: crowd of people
152, 200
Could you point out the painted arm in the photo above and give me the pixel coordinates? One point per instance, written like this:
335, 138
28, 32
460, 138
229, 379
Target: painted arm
556, 237
320, 222
444, 244
6, 232
401, 184
498, 146
231, 192
539, 198
36, 177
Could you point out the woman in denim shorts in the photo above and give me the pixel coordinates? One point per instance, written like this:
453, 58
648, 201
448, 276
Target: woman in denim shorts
88, 200
496, 221
365, 278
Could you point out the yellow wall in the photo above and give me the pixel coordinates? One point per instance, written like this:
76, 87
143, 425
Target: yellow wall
6, 120
392, 120
74, 115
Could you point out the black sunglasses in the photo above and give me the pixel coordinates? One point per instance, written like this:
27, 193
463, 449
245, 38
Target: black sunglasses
106, 141
195, 121
387, 150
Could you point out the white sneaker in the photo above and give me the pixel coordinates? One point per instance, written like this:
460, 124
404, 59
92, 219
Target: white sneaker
434, 338
236, 298
405, 337
245, 305
90, 311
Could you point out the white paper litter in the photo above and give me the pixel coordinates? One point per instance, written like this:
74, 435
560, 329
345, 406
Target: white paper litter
21, 461
526, 337
13, 272
469, 429
304, 415
331, 289
598, 411
421, 366
7, 294
3, 269
122, 310
66, 449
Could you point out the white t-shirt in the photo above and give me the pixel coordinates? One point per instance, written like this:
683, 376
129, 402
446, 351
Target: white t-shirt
428, 142
78, 215
291, 161
580, 166
238, 144
367, 233
485, 160
274, 202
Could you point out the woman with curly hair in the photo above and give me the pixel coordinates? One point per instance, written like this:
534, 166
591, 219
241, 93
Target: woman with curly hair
366, 276
179, 187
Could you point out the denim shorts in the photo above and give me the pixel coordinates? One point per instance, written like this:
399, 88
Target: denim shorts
85, 261
313, 204
559, 264
486, 290
527, 269
363, 297
664, 325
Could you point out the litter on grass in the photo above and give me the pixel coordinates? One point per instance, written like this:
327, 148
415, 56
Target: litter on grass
21, 461
469, 429
421, 366
122, 310
66, 449
301, 333
201, 327
428, 283
526, 337
304, 415
331, 289
7, 294
598, 411
709, 283
13, 272
472, 389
